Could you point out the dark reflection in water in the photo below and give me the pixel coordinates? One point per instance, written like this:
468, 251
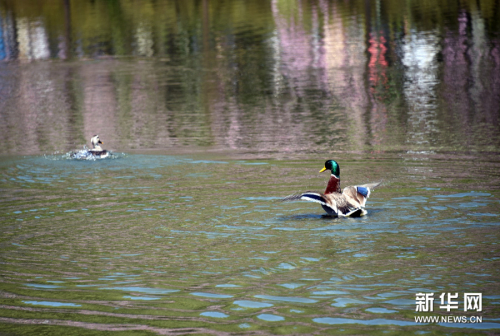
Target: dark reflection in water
189, 243
266, 77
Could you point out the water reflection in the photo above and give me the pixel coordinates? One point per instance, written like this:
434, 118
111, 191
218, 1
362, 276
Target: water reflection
419, 57
262, 76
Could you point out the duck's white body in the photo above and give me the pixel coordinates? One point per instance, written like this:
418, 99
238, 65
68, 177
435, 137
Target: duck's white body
97, 149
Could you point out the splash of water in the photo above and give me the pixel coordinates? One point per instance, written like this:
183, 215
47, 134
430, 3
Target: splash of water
82, 154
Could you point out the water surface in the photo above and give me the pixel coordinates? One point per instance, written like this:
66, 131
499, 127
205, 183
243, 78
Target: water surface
188, 243
214, 111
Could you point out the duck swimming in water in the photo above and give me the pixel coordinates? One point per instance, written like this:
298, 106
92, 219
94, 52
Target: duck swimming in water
97, 150
335, 201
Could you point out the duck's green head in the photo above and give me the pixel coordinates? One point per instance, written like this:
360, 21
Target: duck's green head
333, 166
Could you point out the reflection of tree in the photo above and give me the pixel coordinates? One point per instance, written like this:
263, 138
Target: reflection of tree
270, 75
32, 39
419, 57
65, 43
8, 44
470, 80
456, 76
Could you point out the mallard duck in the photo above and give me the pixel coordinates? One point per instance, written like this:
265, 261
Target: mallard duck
335, 201
97, 150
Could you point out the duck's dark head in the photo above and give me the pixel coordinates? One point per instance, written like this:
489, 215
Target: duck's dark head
333, 166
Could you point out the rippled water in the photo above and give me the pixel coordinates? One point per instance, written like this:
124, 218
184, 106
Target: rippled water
156, 243
215, 110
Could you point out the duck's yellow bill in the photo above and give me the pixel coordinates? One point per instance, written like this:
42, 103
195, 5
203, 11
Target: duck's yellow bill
322, 170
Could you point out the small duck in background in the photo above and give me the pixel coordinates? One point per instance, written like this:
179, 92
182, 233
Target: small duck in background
97, 149
335, 201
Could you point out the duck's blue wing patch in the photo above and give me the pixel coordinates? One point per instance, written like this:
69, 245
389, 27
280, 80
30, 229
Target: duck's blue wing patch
363, 191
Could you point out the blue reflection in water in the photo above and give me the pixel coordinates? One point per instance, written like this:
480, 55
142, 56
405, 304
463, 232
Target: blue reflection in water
227, 285
143, 290
328, 292
270, 317
380, 310
252, 304
144, 298
337, 320
42, 286
214, 314
483, 325
286, 298
52, 303
211, 295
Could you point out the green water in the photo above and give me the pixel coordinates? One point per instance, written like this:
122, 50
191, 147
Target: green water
215, 110
152, 243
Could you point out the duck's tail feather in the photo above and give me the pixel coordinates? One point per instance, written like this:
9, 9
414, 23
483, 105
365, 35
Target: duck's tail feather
358, 212
370, 186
